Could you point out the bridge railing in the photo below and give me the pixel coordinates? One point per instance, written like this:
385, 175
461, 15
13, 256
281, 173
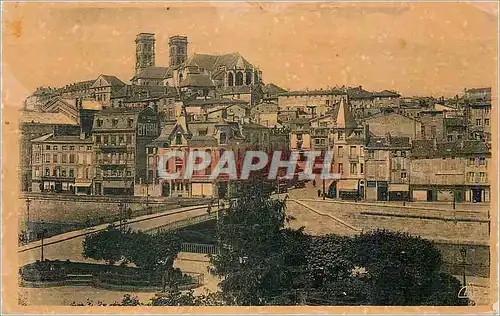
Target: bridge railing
200, 248
185, 222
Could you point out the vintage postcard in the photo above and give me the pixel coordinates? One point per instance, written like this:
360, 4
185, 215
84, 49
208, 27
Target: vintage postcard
249, 157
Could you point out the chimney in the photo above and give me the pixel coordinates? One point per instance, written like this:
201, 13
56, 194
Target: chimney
367, 133
388, 138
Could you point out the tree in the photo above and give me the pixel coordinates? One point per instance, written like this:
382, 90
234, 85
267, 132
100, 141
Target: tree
105, 245
403, 270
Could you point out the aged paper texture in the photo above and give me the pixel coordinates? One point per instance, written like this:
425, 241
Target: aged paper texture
249, 157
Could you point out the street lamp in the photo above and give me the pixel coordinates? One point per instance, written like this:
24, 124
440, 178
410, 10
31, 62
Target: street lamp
28, 202
463, 254
42, 235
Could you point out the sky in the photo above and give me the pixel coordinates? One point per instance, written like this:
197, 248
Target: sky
414, 48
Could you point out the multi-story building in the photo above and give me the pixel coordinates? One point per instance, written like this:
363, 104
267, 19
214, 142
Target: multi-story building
34, 125
450, 171
300, 136
62, 163
212, 138
314, 102
348, 151
387, 168
120, 137
395, 124
432, 125
78, 90
105, 87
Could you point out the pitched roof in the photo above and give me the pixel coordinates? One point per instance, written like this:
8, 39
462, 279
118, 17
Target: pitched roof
33, 117
273, 89
386, 93
62, 139
214, 101
197, 80
343, 116
388, 142
359, 93
113, 80
212, 62
154, 73
429, 149
313, 92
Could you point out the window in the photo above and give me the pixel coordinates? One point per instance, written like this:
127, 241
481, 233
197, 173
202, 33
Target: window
71, 147
37, 171
486, 121
352, 152
47, 147
327, 102
63, 172
47, 158
223, 139
361, 168
80, 148
472, 161
353, 168
130, 122
129, 173
340, 151
482, 176
470, 176
178, 139
114, 122
47, 172
71, 173
371, 154
478, 122
341, 168
403, 175
482, 161
422, 132
450, 138
316, 141
97, 140
37, 158
340, 135
64, 158
71, 158
54, 157
54, 147
64, 147
89, 147
106, 139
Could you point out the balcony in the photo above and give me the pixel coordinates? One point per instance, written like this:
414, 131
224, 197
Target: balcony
58, 178
354, 158
112, 147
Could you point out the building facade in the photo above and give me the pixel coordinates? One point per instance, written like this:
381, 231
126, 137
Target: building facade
62, 164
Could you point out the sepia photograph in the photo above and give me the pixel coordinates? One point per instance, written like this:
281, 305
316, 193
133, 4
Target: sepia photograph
312, 157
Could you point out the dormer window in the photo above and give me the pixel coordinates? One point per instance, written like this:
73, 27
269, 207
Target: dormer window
178, 139
99, 123
223, 138
114, 122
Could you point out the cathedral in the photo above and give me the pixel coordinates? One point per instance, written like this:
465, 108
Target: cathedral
202, 73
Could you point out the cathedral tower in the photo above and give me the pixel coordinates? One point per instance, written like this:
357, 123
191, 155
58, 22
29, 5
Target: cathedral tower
178, 50
144, 51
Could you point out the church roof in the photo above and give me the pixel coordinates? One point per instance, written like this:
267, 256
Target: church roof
212, 62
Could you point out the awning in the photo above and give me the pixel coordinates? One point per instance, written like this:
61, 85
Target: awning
116, 184
347, 185
398, 187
